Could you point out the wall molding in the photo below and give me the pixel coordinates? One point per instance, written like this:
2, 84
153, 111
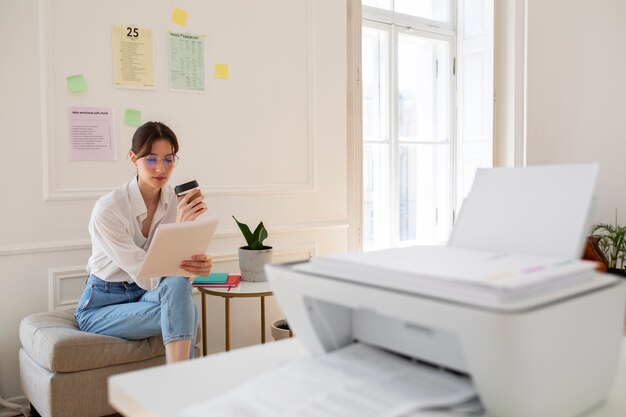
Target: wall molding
85, 244
57, 278
43, 247
53, 191
62, 280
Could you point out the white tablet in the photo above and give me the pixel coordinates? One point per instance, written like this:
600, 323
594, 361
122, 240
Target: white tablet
174, 242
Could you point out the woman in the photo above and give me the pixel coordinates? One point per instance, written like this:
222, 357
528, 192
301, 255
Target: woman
122, 225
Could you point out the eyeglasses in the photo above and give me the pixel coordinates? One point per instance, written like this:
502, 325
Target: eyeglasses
169, 161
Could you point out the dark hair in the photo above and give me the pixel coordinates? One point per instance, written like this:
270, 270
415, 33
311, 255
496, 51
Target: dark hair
150, 132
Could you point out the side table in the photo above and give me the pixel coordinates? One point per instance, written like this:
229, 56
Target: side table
244, 289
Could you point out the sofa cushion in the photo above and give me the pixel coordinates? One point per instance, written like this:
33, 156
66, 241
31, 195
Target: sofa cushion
72, 394
54, 341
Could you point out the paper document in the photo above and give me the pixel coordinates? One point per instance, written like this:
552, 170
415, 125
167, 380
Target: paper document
538, 210
354, 381
175, 242
453, 272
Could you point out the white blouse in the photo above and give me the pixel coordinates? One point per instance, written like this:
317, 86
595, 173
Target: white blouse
118, 246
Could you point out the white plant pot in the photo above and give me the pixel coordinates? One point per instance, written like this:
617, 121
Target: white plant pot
278, 332
252, 263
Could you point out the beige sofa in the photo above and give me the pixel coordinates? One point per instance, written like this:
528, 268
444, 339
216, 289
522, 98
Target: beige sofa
64, 371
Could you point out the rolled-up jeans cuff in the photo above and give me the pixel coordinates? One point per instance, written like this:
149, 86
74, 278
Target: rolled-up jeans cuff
177, 338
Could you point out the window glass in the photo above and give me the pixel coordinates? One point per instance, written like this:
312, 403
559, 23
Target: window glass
424, 193
375, 83
428, 9
423, 89
381, 4
425, 127
406, 170
376, 196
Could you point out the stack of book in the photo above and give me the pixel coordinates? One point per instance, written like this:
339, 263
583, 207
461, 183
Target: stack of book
217, 280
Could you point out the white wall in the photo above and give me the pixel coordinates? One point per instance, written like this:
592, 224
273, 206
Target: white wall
301, 195
576, 86
509, 67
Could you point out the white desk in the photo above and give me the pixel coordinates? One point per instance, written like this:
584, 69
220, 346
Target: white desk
164, 391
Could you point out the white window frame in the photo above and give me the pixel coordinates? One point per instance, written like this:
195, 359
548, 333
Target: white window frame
485, 145
394, 24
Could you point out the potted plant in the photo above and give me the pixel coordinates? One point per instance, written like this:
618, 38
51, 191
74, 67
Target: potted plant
612, 243
253, 256
281, 330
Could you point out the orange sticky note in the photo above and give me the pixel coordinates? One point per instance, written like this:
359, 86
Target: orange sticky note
179, 17
221, 71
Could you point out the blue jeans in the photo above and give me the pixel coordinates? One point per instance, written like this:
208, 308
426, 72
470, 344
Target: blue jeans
126, 310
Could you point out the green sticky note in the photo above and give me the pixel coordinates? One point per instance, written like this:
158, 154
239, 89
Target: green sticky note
212, 278
221, 71
179, 17
132, 117
76, 83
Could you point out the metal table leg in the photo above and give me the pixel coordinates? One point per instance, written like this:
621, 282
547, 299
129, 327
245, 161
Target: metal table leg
262, 319
204, 338
227, 323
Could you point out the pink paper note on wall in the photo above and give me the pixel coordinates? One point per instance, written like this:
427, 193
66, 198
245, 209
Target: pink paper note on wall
91, 134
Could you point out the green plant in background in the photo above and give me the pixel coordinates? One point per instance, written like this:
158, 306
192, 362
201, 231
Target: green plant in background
612, 243
254, 240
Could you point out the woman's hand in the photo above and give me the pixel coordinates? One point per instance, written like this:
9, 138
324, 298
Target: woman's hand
188, 209
198, 265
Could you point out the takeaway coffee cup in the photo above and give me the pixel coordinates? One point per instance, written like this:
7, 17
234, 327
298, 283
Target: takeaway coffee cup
183, 189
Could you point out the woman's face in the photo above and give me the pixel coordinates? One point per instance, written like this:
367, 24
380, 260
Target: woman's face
155, 169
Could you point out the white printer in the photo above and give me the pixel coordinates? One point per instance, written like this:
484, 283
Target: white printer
549, 353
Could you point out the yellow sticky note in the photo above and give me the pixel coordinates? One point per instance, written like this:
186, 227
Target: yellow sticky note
132, 117
76, 83
179, 17
221, 71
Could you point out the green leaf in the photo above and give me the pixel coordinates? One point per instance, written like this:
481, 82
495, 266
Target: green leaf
254, 240
612, 242
245, 230
260, 233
